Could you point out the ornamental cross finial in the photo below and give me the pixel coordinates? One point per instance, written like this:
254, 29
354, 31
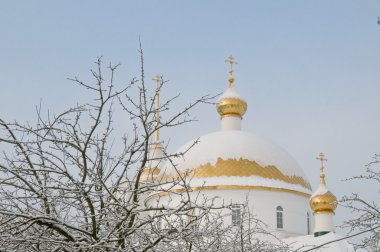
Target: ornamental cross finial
322, 158
231, 61
158, 79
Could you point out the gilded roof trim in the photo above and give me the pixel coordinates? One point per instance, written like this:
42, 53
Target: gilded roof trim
239, 168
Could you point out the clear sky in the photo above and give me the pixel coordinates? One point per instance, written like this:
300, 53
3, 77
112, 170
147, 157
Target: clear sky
309, 70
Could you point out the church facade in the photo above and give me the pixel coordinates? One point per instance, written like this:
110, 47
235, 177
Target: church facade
239, 168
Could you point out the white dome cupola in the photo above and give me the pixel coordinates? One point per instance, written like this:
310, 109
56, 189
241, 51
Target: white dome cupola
233, 167
235, 159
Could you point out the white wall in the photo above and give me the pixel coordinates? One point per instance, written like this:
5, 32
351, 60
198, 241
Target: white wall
262, 203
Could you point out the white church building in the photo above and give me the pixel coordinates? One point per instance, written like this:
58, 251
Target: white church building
239, 167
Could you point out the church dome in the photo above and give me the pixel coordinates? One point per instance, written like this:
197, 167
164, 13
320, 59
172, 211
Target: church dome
323, 200
326, 202
230, 103
236, 159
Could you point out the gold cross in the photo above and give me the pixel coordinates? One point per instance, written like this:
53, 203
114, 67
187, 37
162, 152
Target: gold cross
231, 61
158, 79
322, 158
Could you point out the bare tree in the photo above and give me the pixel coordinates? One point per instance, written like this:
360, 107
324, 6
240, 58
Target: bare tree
73, 182
367, 212
69, 183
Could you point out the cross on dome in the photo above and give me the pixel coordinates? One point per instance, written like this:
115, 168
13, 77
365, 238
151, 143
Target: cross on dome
231, 61
157, 78
323, 202
322, 158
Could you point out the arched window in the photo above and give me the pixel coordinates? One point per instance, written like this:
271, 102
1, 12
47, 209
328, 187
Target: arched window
236, 215
193, 220
279, 217
308, 222
159, 222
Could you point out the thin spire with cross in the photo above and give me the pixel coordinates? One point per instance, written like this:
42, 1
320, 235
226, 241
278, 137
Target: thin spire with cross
231, 61
322, 158
158, 79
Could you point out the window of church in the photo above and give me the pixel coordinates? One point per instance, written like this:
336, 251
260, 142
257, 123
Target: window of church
236, 215
158, 222
192, 221
308, 222
279, 217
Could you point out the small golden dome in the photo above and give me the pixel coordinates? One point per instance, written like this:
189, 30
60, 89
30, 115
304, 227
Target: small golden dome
326, 202
149, 174
323, 200
231, 106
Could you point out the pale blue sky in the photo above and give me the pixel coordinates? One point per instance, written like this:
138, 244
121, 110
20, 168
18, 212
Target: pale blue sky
309, 69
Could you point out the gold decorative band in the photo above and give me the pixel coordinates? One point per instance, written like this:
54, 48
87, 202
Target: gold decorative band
231, 114
240, 168
229, 187
324, 211
239, 187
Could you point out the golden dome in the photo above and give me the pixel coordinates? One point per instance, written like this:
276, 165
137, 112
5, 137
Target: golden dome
230, 104
323, 203
323, 200
149, 174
